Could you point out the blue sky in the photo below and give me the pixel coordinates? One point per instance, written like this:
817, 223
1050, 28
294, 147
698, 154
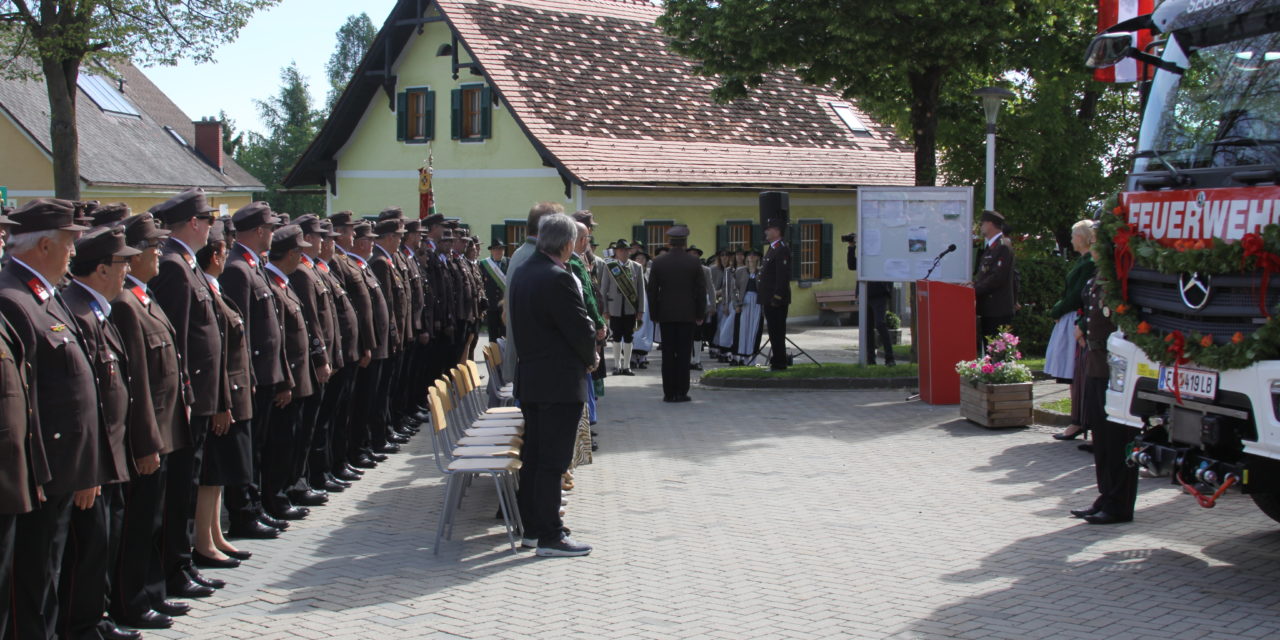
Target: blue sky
249, 68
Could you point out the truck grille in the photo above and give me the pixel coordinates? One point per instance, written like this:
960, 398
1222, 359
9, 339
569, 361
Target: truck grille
1232, 304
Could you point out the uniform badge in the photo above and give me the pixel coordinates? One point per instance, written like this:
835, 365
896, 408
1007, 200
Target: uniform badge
250, 258
191, 261
140, 295
97, 311
58, 327
280, 282
323, 267
38, 288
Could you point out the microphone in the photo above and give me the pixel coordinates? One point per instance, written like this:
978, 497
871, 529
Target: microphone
949, 250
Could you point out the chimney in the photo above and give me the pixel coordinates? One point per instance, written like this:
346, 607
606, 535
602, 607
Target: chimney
209, 141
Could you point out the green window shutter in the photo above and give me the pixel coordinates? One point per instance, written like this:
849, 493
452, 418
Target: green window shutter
455, 100
402, 115
792, 238
486, 112
431, 115
827, 232
640, 234
498, 232
722, 236
757, 237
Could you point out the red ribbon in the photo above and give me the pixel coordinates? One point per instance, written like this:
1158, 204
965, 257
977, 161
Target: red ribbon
1124, 257
1268, 262
1177, 347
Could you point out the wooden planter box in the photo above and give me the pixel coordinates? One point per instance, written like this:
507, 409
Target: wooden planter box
996, 405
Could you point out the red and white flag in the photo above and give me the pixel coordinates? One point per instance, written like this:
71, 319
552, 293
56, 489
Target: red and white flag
1113, 12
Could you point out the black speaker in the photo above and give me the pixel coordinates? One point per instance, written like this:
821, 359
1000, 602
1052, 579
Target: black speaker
775, 205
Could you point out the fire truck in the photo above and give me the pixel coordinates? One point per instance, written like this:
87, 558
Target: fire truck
1196, 364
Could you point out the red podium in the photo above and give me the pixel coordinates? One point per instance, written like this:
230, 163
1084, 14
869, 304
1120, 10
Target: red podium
946, 327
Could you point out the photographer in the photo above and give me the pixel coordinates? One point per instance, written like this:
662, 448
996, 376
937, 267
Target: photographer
878, 294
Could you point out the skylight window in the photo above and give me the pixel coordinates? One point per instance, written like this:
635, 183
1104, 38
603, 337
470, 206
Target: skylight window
104, 93
850, 118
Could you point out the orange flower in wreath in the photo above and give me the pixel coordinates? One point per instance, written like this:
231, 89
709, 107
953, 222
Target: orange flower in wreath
1118, 211
1122, 308
1237, 338
1207, 341
1144, 327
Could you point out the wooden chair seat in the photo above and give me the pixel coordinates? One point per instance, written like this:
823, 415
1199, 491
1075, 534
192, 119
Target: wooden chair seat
480, 432
490, 441
490, 451
508, 465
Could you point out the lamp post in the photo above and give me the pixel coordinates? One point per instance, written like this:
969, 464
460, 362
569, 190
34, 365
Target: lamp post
992, 98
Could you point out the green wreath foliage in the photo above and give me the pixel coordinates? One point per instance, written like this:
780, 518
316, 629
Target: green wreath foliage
1223, 352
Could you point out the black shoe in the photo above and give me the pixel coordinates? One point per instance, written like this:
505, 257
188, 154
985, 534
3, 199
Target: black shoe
203, 580
274, 523
107, 630
1084, 513
389, 447
644, 365
333, 486
308, 498
171, 608
379, 457
628, 372
151, 620
329, 477
697, 366
682, 399
205, 562
396, 439
254, 530
185, 587
668, 398
347, 476
364, 462
1086, 447
289, 512
1102, 517
1069, 436
238, 554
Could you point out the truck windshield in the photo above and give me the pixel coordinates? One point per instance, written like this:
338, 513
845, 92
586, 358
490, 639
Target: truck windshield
1225, 109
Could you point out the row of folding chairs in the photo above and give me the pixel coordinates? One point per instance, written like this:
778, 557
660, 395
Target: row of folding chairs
472, 440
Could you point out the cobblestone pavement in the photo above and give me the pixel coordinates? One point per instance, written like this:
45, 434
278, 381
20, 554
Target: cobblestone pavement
804, 514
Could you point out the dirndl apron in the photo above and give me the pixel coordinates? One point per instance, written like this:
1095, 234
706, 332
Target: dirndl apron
1060, 357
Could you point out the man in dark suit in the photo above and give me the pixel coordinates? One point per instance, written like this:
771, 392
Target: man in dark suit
993, 284
678, 301
383, 264
435, 264
157, 427
494, 269
184, 294
775, 291
559, 346
364, 417
322, 321
98, 270
245, 283
343, 355
65, 438
353, 272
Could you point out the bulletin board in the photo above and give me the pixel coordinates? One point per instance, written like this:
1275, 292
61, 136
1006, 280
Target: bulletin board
901, 230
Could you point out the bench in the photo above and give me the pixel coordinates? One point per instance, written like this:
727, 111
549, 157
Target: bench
833, 304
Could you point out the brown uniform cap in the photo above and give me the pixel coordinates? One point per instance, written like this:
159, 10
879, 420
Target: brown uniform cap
46, 214
141, 229
109, 214
253, 215
433, 219
101, 243
386, 226
342, 219
390, 213
678, 231
363, 230
183, 207
288, 238
310, 224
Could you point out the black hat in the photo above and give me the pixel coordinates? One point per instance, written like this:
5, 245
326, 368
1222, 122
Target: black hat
412, 226
593, 242
4, 215
85, 210
678, 231
101, 243
775, 223
433, 219
326, 228
388, 226
342, 219
288, 238
585, 217
497, 245
183, 207
447, 235
310, 224
694, 249
452, 223
220, 231
108, 214
620, 244
141, 229
992, 216
253, 215
46, 214
391, 212
363, 230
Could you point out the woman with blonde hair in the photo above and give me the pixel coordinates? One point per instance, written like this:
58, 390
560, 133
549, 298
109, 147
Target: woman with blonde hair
1063, 353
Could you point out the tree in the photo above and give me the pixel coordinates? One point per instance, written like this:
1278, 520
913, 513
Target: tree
232, 139
354, 38
898, 57
60, 35
291, 125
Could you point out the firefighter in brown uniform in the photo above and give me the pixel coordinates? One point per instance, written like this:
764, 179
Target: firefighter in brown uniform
157, 425
453, 242
412, 292
185, 296
433, 257
19, 473
344, 354
412, 396
366, 390
64, 426
353, 272
382, 262
322, 321
280, 450
245, 282
98, 270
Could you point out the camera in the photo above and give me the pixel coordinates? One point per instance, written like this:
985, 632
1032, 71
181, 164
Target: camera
849, 237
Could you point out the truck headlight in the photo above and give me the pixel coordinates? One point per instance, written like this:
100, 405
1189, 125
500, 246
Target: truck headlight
1119, 366
1275, 398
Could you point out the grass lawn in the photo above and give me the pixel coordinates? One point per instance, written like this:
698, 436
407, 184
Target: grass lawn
827, 370
902, 352
1061, 405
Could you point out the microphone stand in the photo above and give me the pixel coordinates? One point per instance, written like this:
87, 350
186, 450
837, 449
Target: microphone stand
935, 263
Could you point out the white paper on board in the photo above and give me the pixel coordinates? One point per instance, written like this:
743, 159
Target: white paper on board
870, 209
897, 270
922, 267
893, 213
871, 242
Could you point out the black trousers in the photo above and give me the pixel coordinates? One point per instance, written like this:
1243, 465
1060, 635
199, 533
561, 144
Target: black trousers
93, 544
497, 328
623, 329
399, 385
388, 377
182, 480
1117, 481
139, 582
989, 326
277, 455
40, 539
775, 319
244, 503
329, 445
880, 328
308, 431
677, 351
550, 430
363, 401
8, 527
414, 390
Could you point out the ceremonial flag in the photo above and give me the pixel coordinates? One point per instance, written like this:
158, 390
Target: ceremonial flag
426, 199
1111, 13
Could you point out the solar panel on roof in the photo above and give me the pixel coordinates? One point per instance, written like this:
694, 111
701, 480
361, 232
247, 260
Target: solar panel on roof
849, 117
104, 93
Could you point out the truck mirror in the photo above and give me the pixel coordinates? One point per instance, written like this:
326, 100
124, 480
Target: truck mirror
1108, 49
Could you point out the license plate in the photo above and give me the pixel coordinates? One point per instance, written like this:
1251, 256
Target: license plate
1195, 383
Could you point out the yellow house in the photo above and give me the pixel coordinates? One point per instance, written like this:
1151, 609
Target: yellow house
136, 145
581, 101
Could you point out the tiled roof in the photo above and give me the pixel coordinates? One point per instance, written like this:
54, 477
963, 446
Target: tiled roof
119, 150
594, 82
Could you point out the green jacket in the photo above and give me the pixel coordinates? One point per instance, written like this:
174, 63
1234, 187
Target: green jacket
588, 290
1073, 294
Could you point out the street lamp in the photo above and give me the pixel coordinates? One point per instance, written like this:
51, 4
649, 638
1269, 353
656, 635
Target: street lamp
992, 97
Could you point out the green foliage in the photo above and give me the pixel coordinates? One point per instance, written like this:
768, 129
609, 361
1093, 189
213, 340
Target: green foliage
354, 38
892, 320
827, 370
1041, 277
291, 125
1061, 405
232, 139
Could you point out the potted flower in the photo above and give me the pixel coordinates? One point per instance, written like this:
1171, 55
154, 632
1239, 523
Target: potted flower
894, 323
995, 390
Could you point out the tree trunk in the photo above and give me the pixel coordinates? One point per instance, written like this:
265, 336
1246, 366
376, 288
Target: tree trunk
60, 80
925, 86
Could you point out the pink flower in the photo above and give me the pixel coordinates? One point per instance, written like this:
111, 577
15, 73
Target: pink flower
999, 364
1011, 339
987, 368
997, 346
1018, 355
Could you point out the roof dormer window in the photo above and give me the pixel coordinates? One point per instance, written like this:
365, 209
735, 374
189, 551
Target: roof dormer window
105, 93
851, 119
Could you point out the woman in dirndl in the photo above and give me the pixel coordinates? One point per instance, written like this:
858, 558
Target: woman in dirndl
748, 311
1063, 354
642, 341
723, 339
